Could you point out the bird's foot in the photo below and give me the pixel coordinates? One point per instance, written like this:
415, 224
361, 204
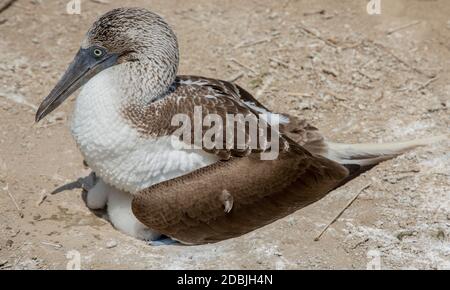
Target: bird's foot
146, 234
88, 182
162, 242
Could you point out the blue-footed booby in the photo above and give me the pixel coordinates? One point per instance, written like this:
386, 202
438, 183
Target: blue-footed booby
127, 68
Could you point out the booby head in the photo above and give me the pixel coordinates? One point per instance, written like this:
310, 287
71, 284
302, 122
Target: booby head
133, 37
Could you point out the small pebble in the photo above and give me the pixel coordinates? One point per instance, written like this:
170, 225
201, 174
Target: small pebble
111, 244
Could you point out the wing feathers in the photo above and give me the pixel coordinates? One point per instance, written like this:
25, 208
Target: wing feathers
191, 208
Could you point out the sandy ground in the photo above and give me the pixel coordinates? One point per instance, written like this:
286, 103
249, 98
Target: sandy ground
357, 77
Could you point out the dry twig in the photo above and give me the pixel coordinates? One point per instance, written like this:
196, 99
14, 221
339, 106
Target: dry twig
341, 212
427, 83
42, 197
321, 11
391, 31
282, 63
57, 246
14, 201
256, 42
310, 32
294, 94
101, 1
401, 60
242, 65
5, 4
236, 77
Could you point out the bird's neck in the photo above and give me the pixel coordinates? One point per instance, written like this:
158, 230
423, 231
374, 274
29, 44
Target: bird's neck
110, 92
142, 82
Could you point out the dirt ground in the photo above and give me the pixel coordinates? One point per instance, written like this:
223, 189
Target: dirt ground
358, 77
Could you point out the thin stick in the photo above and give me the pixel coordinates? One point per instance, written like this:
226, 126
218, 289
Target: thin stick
310, 32
236, 77
243, 65
365, 75
354, 45
247, 44
339, 98
4, 264
426, 84
380, 97
391, 31
6, 4
100, 1
14, 201
57, 246
321, 11
282, 63
294, 94
330, 72
256, 42
341, 212
42, 197
401, 60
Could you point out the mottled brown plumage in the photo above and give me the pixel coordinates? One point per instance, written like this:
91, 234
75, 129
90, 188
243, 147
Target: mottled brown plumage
213, 97
191, 208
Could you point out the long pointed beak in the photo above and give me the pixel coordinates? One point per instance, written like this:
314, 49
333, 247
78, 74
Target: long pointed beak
80, 71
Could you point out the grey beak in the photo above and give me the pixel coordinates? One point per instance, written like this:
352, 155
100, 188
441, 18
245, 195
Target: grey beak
80, 71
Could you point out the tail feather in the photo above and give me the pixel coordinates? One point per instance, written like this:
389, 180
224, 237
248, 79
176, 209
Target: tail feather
370, 154
357, 158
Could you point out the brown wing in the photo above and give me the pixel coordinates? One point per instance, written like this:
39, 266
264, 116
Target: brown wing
213, 97
296, 129
232, 197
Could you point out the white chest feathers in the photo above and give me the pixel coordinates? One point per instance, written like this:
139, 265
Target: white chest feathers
115, 150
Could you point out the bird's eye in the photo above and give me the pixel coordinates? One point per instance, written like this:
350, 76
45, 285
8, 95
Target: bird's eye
98, 52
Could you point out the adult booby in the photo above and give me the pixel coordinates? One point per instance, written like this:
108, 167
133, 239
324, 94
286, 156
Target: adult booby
127, 66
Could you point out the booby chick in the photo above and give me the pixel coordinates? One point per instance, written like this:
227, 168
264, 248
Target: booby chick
127, 66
